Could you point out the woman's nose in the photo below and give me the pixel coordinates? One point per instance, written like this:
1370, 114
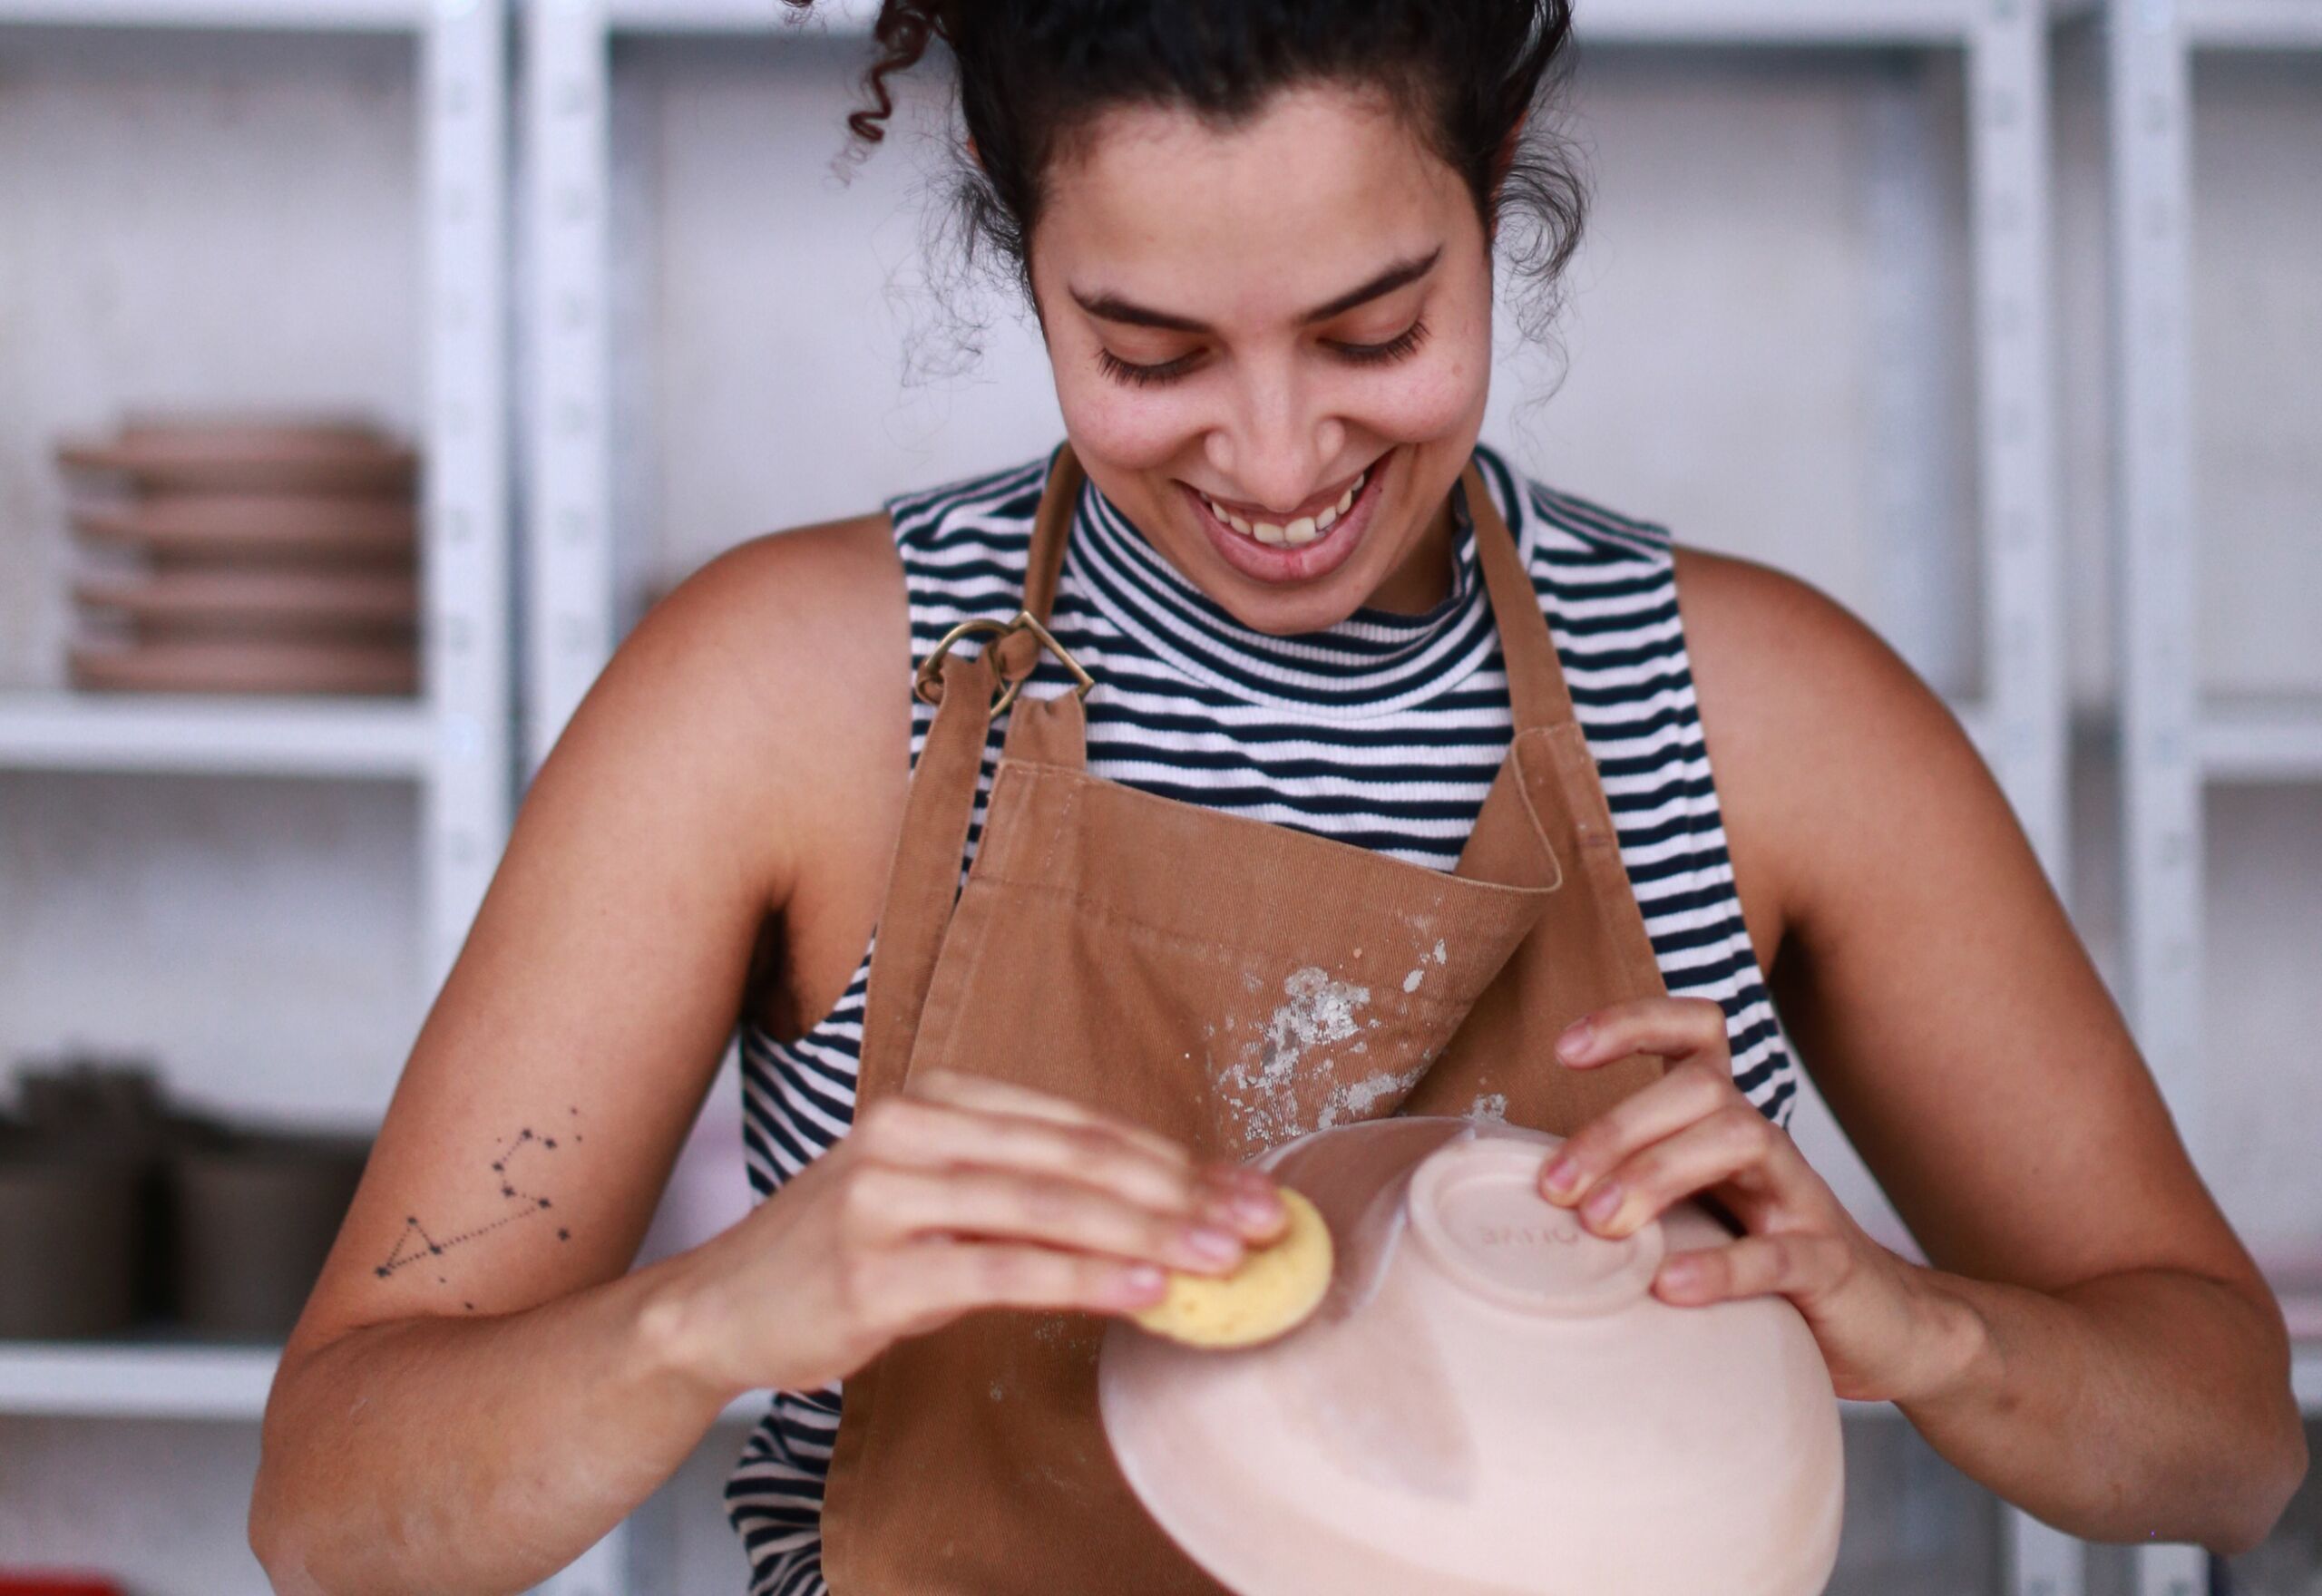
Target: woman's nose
1276, 449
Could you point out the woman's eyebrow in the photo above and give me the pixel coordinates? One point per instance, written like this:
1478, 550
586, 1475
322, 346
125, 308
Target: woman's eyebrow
1113, 308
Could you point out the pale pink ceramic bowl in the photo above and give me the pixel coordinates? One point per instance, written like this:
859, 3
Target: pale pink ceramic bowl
1490, 1401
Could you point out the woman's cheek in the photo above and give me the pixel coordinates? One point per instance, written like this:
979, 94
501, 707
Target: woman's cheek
1128, 428
1438, 392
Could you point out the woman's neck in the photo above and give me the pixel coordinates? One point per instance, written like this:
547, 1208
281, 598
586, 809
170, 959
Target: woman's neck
1423, 579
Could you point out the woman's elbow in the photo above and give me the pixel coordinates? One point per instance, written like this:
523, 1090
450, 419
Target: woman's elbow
2271, 1475
277, 1546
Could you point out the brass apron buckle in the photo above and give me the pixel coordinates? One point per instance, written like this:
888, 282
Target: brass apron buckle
927, 682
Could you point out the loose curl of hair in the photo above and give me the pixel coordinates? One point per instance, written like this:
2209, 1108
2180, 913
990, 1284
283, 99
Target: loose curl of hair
1030, 75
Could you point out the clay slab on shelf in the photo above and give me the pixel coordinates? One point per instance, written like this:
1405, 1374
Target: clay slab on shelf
258, 603
273, 528
245, 456
241, 666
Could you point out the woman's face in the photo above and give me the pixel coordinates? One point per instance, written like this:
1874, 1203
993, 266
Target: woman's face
1273, 346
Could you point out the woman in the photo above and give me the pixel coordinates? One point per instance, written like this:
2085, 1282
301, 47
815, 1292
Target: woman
1259, 238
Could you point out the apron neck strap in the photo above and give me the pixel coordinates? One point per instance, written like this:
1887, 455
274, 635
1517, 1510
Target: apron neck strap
1535, 684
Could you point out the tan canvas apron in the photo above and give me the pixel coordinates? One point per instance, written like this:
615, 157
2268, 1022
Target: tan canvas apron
1229, 983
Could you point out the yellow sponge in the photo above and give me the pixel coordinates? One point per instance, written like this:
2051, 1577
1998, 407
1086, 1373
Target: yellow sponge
1269, 1294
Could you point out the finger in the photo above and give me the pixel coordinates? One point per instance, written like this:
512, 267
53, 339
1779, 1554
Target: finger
1709, 1152
1683, 1096
1797, 1264
930, 1283
887, 1206
981, 1092
920, 1134
1665, 1027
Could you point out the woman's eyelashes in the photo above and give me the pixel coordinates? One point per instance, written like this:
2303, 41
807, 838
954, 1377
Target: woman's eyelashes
1395, 348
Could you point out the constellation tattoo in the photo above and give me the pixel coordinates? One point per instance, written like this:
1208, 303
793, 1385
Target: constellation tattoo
416, 1246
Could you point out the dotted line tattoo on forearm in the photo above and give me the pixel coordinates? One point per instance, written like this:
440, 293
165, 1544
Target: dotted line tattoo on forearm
415, 1245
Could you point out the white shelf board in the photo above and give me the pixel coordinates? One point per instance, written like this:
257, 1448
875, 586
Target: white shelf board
2306, 1377
2254, 25
98, 1380
2258, 740
170, 1380
288, 16
320, 737
1609, 22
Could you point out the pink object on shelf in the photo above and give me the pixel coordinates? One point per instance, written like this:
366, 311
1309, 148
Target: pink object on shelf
1490, 1401
224, 453
245, 666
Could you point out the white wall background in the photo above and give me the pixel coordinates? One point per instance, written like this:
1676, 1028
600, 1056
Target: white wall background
194, 221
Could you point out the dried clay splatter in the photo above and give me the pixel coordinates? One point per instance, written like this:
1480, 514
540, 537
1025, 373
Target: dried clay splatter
1354, 1099
1489, 1105
1262, 1083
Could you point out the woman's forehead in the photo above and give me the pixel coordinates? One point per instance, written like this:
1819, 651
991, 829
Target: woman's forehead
1318, 191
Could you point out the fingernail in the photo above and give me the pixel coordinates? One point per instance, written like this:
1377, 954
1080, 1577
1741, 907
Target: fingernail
1145, 1280
1561, 1176
1681, 1274
1603, 1202
1574, 1043
1260, 1206
1214, 1246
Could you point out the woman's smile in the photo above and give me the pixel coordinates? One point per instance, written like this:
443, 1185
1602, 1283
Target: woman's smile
1302, 547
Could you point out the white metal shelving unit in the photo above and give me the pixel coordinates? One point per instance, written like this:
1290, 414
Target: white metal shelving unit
2021, 722
453, 741
2176, 741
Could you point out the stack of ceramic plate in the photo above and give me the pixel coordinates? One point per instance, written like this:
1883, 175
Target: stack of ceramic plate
250, 556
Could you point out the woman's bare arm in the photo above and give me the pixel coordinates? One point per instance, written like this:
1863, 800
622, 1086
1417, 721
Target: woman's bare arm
2129, 1378
477, 1391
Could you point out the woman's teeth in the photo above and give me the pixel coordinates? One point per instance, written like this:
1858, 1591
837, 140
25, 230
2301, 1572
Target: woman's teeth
1304, 529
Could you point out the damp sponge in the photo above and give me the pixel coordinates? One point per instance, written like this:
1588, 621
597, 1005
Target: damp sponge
1269, 1294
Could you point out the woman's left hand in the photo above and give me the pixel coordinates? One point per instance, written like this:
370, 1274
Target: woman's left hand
1886, 1327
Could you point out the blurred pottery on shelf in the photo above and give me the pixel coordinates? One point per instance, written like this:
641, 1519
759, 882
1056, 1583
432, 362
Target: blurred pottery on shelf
235, 455
253, 1215
257, 603
1490, 1401
110, 1113
273, 528
70, 1224
240, 666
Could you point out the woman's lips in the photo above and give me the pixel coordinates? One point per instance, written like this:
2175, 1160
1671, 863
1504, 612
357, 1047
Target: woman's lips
1267, 553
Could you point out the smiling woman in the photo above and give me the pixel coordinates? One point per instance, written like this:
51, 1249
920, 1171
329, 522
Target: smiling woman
1321, 767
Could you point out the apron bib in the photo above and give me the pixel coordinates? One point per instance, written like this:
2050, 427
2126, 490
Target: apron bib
1226, 982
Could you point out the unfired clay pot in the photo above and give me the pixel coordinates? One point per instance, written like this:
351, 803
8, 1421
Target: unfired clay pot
1490, 1401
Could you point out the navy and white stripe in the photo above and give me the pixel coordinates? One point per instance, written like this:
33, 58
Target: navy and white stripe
1384, 732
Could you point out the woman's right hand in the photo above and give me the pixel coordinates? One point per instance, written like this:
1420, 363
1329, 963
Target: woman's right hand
960, 1193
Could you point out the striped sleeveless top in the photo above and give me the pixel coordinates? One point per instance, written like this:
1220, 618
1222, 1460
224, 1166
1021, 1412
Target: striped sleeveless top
1384, 732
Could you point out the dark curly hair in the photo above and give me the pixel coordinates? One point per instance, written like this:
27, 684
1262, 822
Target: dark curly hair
1030, 75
